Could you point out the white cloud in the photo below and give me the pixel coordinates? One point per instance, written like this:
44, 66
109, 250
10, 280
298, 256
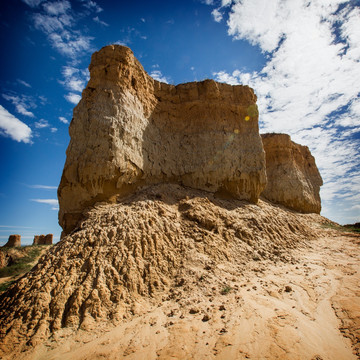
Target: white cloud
92, 5
47, 24
218, 16
73, 98
53, 129
97, 20
157, 75
33, 3
22, 82
43, 187
226, 3
70, 44
310, 83
63, 120
57, 8
52, 202
13, 127
121, 42
143, 20
22, 104
41, 124
74, 78
58, 22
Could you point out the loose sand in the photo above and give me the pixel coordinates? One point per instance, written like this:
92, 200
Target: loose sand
318, 318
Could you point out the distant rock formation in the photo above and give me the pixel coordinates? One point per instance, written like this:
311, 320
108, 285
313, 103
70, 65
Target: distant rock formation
14, 240
293, 178
43, 239
130, 130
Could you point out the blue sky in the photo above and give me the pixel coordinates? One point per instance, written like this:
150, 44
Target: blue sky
302, 57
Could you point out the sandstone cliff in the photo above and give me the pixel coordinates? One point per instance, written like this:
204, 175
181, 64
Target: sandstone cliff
293, 178
129, 130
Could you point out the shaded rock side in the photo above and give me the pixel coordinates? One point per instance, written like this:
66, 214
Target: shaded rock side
293, 177
130, 130
14, 241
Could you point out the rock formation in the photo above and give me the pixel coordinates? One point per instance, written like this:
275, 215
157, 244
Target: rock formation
43, 239
130, 130
293, 179
3, 259
138, 250
14, 240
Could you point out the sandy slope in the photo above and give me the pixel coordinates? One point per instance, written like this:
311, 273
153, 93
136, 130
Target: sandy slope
256, 319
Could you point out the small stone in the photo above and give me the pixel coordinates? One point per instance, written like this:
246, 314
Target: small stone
205, 318
288, 288
194, 311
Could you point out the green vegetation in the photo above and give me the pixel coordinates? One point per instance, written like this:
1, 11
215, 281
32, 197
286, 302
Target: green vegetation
346, 228
22, 261
5, 285
225, 290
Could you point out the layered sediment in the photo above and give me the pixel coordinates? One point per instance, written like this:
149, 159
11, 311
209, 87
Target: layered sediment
130, 130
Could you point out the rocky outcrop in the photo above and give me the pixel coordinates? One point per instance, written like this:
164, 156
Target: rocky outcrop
130, 130
14, 240
140, 251
43, 239
293, 177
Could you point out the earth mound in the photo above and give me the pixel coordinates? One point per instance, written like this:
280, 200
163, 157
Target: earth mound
139, 250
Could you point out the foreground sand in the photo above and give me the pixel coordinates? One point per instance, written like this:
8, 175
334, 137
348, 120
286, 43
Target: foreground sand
308, 308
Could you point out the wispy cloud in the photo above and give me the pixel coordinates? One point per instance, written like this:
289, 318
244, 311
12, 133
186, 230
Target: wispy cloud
15, 226
97, 20
309, 87
217, 15
92, 5
57, 8
14, 128
157, 75
22, 82
58, 21
33, 3
74, 78
63, 120
41, 124
22, 104
53, 129
52, 202
42, 187
73, 98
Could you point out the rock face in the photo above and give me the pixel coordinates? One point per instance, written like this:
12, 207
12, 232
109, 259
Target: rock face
130, 130
293, 177
43, 239
14, 240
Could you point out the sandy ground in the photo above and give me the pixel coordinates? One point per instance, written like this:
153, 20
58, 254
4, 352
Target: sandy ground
304, 309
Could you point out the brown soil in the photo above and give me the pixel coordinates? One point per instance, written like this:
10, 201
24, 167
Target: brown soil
176, 273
